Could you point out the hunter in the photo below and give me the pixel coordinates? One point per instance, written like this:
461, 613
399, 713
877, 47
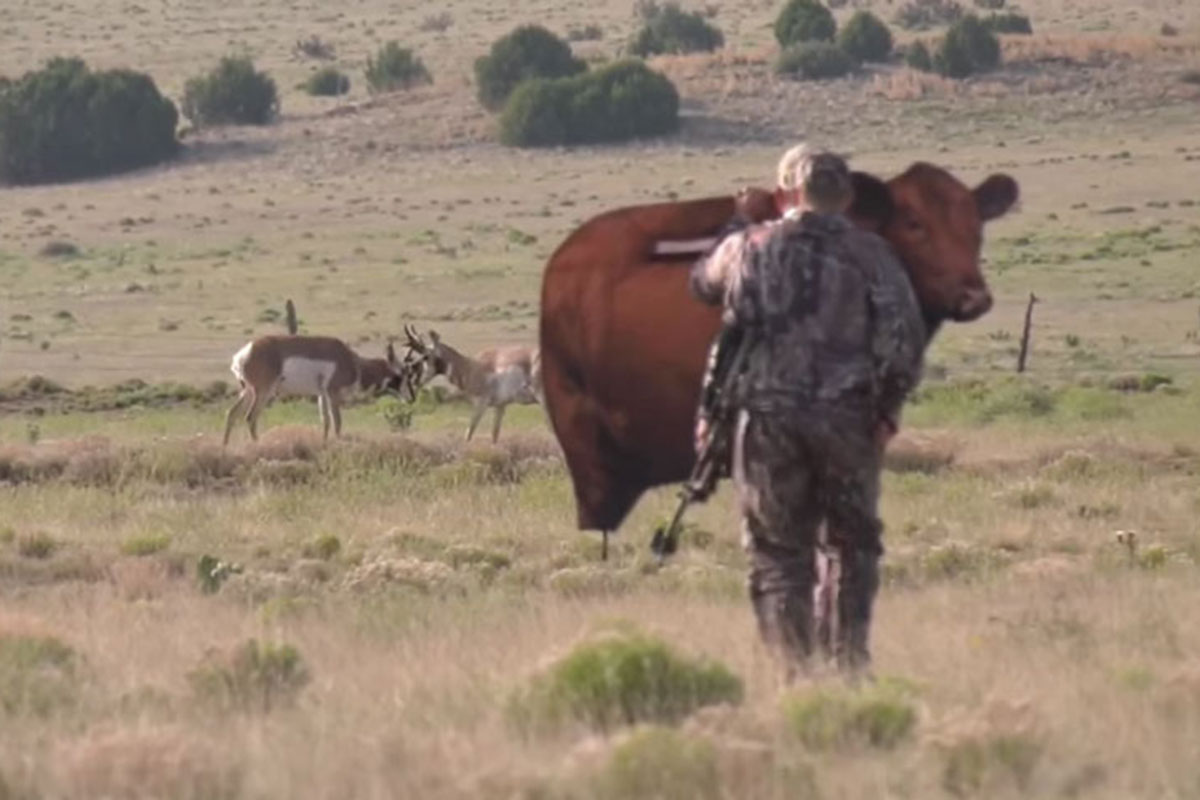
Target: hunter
837, 347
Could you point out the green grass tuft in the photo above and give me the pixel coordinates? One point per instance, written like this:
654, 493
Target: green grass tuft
622, 679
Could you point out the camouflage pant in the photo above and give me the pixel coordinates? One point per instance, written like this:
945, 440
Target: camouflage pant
793, 474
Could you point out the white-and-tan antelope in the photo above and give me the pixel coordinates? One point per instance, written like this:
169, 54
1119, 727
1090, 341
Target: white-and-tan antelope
493, 379
310, 366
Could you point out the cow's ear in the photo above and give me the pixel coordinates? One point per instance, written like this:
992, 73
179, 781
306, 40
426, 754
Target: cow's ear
996, 196
872, 206
391, 354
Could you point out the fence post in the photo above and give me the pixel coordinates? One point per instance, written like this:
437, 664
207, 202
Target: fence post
1025, 334
290, 307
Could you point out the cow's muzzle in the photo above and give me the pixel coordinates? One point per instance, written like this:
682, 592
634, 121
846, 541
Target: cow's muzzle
973, 304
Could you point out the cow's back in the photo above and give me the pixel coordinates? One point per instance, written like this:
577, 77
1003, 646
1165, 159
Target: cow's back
619, 397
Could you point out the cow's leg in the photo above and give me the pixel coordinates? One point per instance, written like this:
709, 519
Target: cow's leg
243, 397
604, 545
476, 415
496, 424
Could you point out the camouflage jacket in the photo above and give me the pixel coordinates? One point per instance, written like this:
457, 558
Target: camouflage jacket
837, 322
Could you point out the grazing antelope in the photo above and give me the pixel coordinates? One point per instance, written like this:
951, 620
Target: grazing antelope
493, 379
310, 366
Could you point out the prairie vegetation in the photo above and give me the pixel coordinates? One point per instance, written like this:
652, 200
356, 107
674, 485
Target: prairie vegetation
397, 614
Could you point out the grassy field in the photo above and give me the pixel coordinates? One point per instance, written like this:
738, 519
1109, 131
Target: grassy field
409, 595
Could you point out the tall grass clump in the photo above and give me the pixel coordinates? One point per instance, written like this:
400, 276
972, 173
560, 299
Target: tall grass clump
661, 763
668, 29
253, 677
918, 15
969, 47
38, 674
832, 718
622, 101
804, 21
394, 68
65, 121
1010, 22
526, 53
814, 61
327, 82
622, 678
866, 37
233, 93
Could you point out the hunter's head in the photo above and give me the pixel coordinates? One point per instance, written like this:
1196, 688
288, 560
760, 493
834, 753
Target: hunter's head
810, 179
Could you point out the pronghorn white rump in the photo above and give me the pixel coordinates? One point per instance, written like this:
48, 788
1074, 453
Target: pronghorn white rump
308, 366
494, 379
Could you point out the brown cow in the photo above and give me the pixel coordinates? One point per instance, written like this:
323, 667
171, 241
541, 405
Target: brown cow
623, 344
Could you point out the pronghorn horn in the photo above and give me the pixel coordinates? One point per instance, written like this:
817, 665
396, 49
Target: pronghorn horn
391, 353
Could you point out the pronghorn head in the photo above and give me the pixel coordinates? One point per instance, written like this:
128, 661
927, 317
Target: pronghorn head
426, 360
401, 380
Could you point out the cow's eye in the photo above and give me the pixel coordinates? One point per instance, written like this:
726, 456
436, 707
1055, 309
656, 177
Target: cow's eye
914, 226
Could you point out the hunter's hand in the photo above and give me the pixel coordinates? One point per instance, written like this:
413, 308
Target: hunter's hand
885, 429
755, 205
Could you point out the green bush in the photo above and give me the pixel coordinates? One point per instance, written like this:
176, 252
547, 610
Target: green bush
253, 677
622, 679
668, 29
66, 121
804, 21
835, 718
37, 675
37, 545
327, 82
967, 48
866, 37
1008, 23
814, 61
662, 763
146, 544
990, 763
924, 14
917, 57
323, 547
526, 53
622, 101
394, 68
234, 93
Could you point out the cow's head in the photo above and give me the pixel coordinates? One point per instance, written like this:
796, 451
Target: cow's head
935, 224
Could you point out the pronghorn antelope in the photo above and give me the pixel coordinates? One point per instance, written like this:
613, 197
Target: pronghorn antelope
493, 379
309, 366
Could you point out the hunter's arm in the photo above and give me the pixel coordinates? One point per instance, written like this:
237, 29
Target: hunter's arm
898, 336
713, 273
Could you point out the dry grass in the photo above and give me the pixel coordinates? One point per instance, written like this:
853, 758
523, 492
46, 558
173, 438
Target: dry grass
1096, 49
1039, 656
450, 560
911, 84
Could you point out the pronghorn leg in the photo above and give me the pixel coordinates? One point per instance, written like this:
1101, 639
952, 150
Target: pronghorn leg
480, 408
258, 400
323, 405
335, 408
243, 396
496, 423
